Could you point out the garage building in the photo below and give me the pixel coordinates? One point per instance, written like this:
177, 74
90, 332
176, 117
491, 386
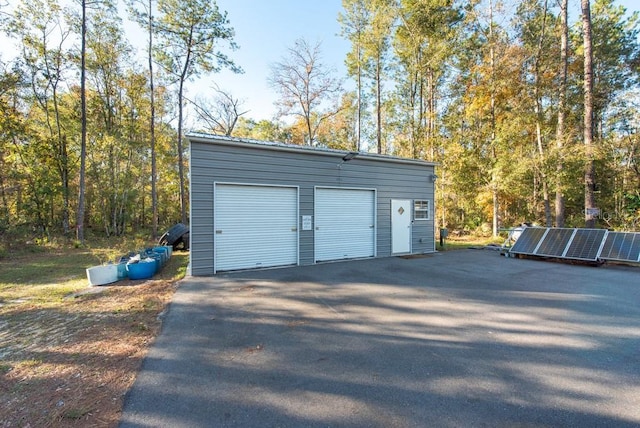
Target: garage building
257, 204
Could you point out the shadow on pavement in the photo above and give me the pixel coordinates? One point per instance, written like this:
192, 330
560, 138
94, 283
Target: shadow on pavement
464, 338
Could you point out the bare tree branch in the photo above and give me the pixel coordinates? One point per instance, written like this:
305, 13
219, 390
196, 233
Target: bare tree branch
220, 113
305, 86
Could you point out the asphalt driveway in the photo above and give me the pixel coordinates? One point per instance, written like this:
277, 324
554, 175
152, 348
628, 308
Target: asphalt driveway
462, 338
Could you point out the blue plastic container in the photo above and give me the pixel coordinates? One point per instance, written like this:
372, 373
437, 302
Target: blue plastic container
158, 259
169, 250
122, 270
164, 255
142, 270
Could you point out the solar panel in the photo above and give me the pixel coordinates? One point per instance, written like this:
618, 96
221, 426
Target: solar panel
586, 244
555, 242
528, 240
579, 244
621, 246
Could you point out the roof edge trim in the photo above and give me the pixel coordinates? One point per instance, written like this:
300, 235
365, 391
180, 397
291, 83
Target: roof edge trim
271, 145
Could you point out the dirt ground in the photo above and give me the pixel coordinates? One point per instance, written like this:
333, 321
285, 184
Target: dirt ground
70, 364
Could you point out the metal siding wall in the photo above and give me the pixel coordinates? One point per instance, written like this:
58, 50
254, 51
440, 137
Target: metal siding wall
306, 236
201, 245
212, 162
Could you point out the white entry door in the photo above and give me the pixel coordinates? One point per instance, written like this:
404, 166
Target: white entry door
400, 226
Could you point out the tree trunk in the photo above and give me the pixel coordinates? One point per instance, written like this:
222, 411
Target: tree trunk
4, 211
432, 115
359, 96
183, 190
562, 100
62, 161
152, 132
379, 103
65, 185
543, 175
494, 176
539, 120
311, 134
589, 174
83, 120
183, 193
113, 193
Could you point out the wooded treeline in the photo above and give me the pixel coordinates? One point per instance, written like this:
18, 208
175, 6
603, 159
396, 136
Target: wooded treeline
90, 137
495, 92
492, 91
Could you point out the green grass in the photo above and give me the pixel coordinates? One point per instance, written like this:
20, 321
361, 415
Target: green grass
468, 241
47, 273
44, 276
176, 268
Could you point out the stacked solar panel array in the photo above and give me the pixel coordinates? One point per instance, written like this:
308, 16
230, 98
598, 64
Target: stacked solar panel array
578, 244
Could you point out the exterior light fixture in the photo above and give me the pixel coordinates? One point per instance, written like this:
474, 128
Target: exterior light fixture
347, 158
433, 178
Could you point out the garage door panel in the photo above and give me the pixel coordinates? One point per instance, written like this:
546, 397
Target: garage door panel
345, 224
255, 226
340, 251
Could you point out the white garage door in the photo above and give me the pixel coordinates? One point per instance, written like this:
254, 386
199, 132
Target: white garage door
255, 226
344, 223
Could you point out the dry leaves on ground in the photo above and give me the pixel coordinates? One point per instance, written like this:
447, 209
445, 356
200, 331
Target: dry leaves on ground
70, 364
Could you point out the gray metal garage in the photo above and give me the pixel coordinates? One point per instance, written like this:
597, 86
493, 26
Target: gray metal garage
257, 204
